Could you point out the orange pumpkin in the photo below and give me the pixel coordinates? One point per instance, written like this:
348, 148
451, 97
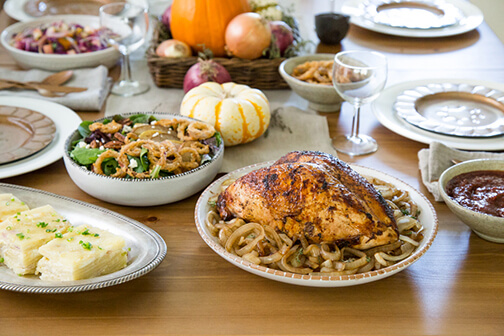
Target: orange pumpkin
203, 22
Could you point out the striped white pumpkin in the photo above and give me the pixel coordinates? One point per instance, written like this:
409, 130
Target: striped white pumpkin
241, 114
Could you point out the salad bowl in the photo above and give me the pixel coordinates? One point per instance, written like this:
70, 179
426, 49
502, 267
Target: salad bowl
142, 191
52, 61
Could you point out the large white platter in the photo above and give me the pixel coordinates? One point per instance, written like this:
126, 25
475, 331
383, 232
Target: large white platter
148, 249
383, 108
66, 122
472, 17
428, 219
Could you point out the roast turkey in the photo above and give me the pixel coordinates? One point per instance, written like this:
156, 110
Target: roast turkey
312, 194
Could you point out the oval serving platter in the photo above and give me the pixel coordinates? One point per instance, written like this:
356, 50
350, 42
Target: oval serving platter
455, 109
23, 132
146, 249
428, 219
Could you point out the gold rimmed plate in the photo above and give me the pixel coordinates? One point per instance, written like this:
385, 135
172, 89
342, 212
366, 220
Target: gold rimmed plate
412, 14
37, 8
455, 109
23, 132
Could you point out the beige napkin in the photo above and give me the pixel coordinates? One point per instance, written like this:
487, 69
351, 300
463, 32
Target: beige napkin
95, 79
290, 129
433, 161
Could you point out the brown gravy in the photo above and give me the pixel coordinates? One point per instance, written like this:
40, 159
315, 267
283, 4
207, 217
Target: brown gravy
481, 191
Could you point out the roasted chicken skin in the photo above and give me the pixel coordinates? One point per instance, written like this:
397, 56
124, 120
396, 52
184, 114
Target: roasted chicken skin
312, 194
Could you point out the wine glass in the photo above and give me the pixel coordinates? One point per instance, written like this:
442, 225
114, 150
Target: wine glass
127, 24
358, 77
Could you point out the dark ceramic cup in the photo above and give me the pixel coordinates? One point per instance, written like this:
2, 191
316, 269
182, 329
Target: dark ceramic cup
331, 28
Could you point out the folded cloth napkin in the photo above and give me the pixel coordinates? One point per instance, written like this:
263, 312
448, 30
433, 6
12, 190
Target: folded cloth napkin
290, 129
433, 161
96, 81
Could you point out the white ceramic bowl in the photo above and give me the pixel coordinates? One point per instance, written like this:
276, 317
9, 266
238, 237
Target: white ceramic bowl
142, 192
322, 98
427, 218
486, 226
53, 62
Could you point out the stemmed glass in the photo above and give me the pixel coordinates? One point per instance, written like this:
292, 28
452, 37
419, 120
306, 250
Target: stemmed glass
358, 77
128, 25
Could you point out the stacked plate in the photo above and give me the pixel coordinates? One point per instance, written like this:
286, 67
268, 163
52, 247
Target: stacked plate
32, 133
414, 18
464, 114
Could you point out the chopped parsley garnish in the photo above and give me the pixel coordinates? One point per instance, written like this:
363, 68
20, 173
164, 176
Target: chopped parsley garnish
86, 246
85, 232
57, 220
58, 235
42, 224
2, 260
8, 228
20, 236
49, 230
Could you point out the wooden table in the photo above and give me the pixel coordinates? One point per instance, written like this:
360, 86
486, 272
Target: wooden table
456, 288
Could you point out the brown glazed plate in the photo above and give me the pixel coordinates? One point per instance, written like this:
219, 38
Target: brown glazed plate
23, 132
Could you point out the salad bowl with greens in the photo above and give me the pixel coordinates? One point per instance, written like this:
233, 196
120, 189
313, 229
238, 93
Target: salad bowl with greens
143, 159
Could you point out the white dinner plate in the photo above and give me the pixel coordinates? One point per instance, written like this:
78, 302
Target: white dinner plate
15, 9
146, 248
427, 218
472, 17
66, 122
383, 109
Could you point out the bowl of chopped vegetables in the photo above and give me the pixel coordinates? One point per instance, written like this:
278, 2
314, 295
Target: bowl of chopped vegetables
143, 159
59, 42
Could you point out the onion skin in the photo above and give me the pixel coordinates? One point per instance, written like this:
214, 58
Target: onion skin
247, 36
283, 35
205, 71
166, 17
173, 49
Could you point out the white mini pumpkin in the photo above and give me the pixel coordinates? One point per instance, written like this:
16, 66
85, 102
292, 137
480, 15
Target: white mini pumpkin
241, 114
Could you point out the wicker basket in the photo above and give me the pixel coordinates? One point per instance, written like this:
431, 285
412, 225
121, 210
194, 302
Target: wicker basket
260, 73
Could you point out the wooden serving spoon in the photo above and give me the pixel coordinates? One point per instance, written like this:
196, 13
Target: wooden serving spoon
55, 79
45, 88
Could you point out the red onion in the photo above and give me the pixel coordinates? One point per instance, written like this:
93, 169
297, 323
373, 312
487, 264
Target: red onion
166, 17
283, 35
205, 71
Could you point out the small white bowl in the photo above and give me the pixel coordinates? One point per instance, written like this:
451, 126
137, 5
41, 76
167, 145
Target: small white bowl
486, 226
142, 192
322, 98
55, 62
